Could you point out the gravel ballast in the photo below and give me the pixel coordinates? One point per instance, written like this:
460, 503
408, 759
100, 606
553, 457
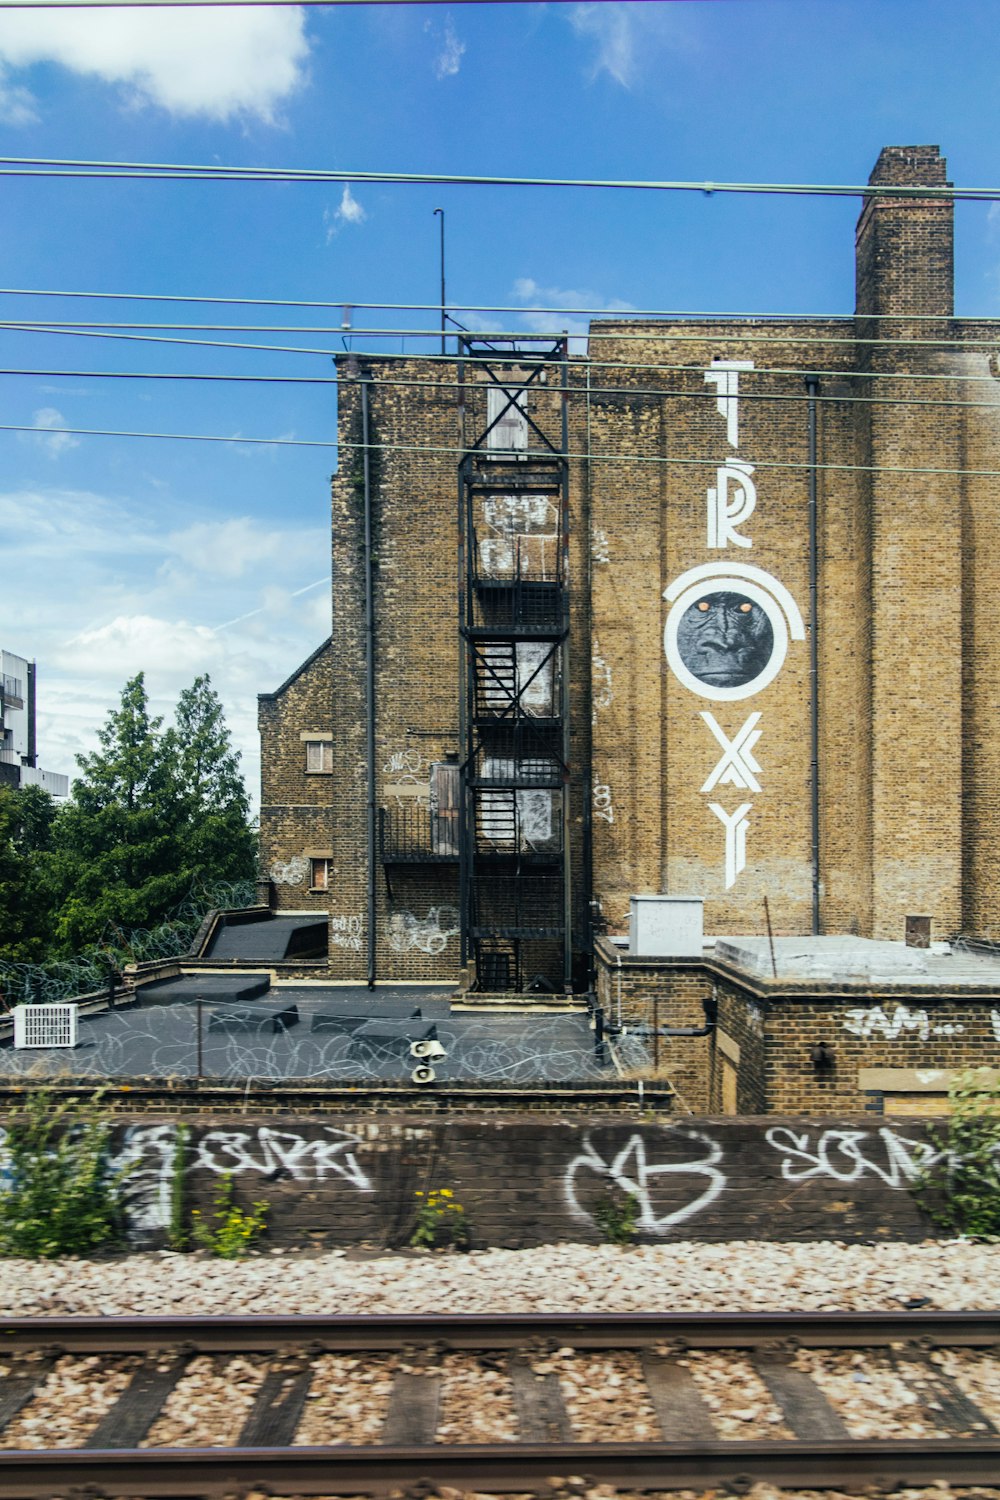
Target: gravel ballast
745, 1276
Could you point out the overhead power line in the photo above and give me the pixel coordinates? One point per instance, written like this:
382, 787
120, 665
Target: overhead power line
638, 336
34, 166
574, 392
680, 314
456, 452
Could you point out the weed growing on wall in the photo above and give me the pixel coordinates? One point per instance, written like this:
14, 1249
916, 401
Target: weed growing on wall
440, 1221
618, 1214
178, 1236
961, 1188
60, 1197
233, 1231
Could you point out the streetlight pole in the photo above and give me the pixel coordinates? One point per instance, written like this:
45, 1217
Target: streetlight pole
441, 212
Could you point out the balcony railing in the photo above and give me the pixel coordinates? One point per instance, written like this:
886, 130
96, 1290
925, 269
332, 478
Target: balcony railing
416, 835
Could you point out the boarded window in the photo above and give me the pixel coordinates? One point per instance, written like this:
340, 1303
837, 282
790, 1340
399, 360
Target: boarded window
445, 792
505, 415
319, 874
319, 755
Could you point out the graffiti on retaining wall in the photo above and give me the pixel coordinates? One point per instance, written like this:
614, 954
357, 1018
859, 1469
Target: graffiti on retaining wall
283, 1153
874, 1021
632, 1170
847, 1155
345, 932
672, 1188
429, 934
147, 1152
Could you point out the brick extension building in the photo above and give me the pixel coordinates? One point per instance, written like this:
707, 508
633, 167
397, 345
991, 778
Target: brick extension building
712, 612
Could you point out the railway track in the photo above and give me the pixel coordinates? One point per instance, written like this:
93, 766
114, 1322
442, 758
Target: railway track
639, 1402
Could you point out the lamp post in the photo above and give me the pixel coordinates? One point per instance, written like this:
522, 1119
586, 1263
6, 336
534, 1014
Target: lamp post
441, 212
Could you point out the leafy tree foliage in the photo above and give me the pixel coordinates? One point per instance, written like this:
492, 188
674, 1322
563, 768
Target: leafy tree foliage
119, 839
27, 815
220, 842
153, 813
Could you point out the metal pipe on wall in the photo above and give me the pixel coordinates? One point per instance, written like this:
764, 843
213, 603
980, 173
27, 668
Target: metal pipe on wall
369, 684
812, 387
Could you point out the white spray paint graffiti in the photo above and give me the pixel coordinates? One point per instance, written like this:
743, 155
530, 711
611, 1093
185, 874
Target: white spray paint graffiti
272, 1153
345, 932
603, 807
407, 776
291, 872
147, 1155
600, 549
632, 1172
874, 1021
847, 1155
524, 539
603, 690
429, 934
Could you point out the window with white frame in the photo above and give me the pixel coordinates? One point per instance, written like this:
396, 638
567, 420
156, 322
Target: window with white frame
319, 756
320, 870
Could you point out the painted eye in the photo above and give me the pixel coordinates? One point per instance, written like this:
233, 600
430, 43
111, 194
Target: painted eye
745, 609
703, 606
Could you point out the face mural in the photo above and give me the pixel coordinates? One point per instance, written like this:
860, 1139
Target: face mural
724, 639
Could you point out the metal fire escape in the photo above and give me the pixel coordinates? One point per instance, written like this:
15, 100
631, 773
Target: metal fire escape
514, 620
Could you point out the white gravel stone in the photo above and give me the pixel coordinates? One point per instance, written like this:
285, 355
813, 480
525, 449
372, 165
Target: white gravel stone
678, 1277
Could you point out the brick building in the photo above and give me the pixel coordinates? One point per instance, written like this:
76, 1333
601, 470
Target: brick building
709, 611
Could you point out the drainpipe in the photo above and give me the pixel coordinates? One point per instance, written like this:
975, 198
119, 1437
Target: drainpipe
812, 387
369, 685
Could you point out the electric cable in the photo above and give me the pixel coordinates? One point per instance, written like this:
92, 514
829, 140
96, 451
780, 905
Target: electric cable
40, 166
679, 314
775, 397
64, 325
115, 331
458, 452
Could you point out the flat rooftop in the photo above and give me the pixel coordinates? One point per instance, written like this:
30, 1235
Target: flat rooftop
241, 1028
856, 960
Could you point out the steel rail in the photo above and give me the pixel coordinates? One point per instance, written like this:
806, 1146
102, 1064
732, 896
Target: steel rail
495, 1467
707, 1330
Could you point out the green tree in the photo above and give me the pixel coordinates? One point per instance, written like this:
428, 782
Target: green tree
220, 842
119, 846
27, 815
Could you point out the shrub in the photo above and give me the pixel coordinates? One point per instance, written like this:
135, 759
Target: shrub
960, 1186
61, 1196
440, 1221
618, 1214
234, 1230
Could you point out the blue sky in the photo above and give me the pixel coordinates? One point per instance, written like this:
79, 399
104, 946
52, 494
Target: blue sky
121, 554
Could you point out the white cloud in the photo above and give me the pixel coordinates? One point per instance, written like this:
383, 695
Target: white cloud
350, 211
17, 106
218, 62
54, 443
232, 548
451, 48
626, 36
101, 588
526, 289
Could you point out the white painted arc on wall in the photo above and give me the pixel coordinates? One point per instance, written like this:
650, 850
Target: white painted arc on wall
740, 578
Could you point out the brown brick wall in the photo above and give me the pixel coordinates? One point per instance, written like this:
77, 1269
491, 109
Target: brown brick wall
908, 656
298, 808
527, 1181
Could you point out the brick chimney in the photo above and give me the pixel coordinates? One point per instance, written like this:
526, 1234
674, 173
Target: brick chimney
904, 247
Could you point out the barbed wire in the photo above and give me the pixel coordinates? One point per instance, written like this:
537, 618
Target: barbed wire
89, 970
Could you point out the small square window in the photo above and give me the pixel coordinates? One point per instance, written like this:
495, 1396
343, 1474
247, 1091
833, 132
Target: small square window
319, 874
319, 755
